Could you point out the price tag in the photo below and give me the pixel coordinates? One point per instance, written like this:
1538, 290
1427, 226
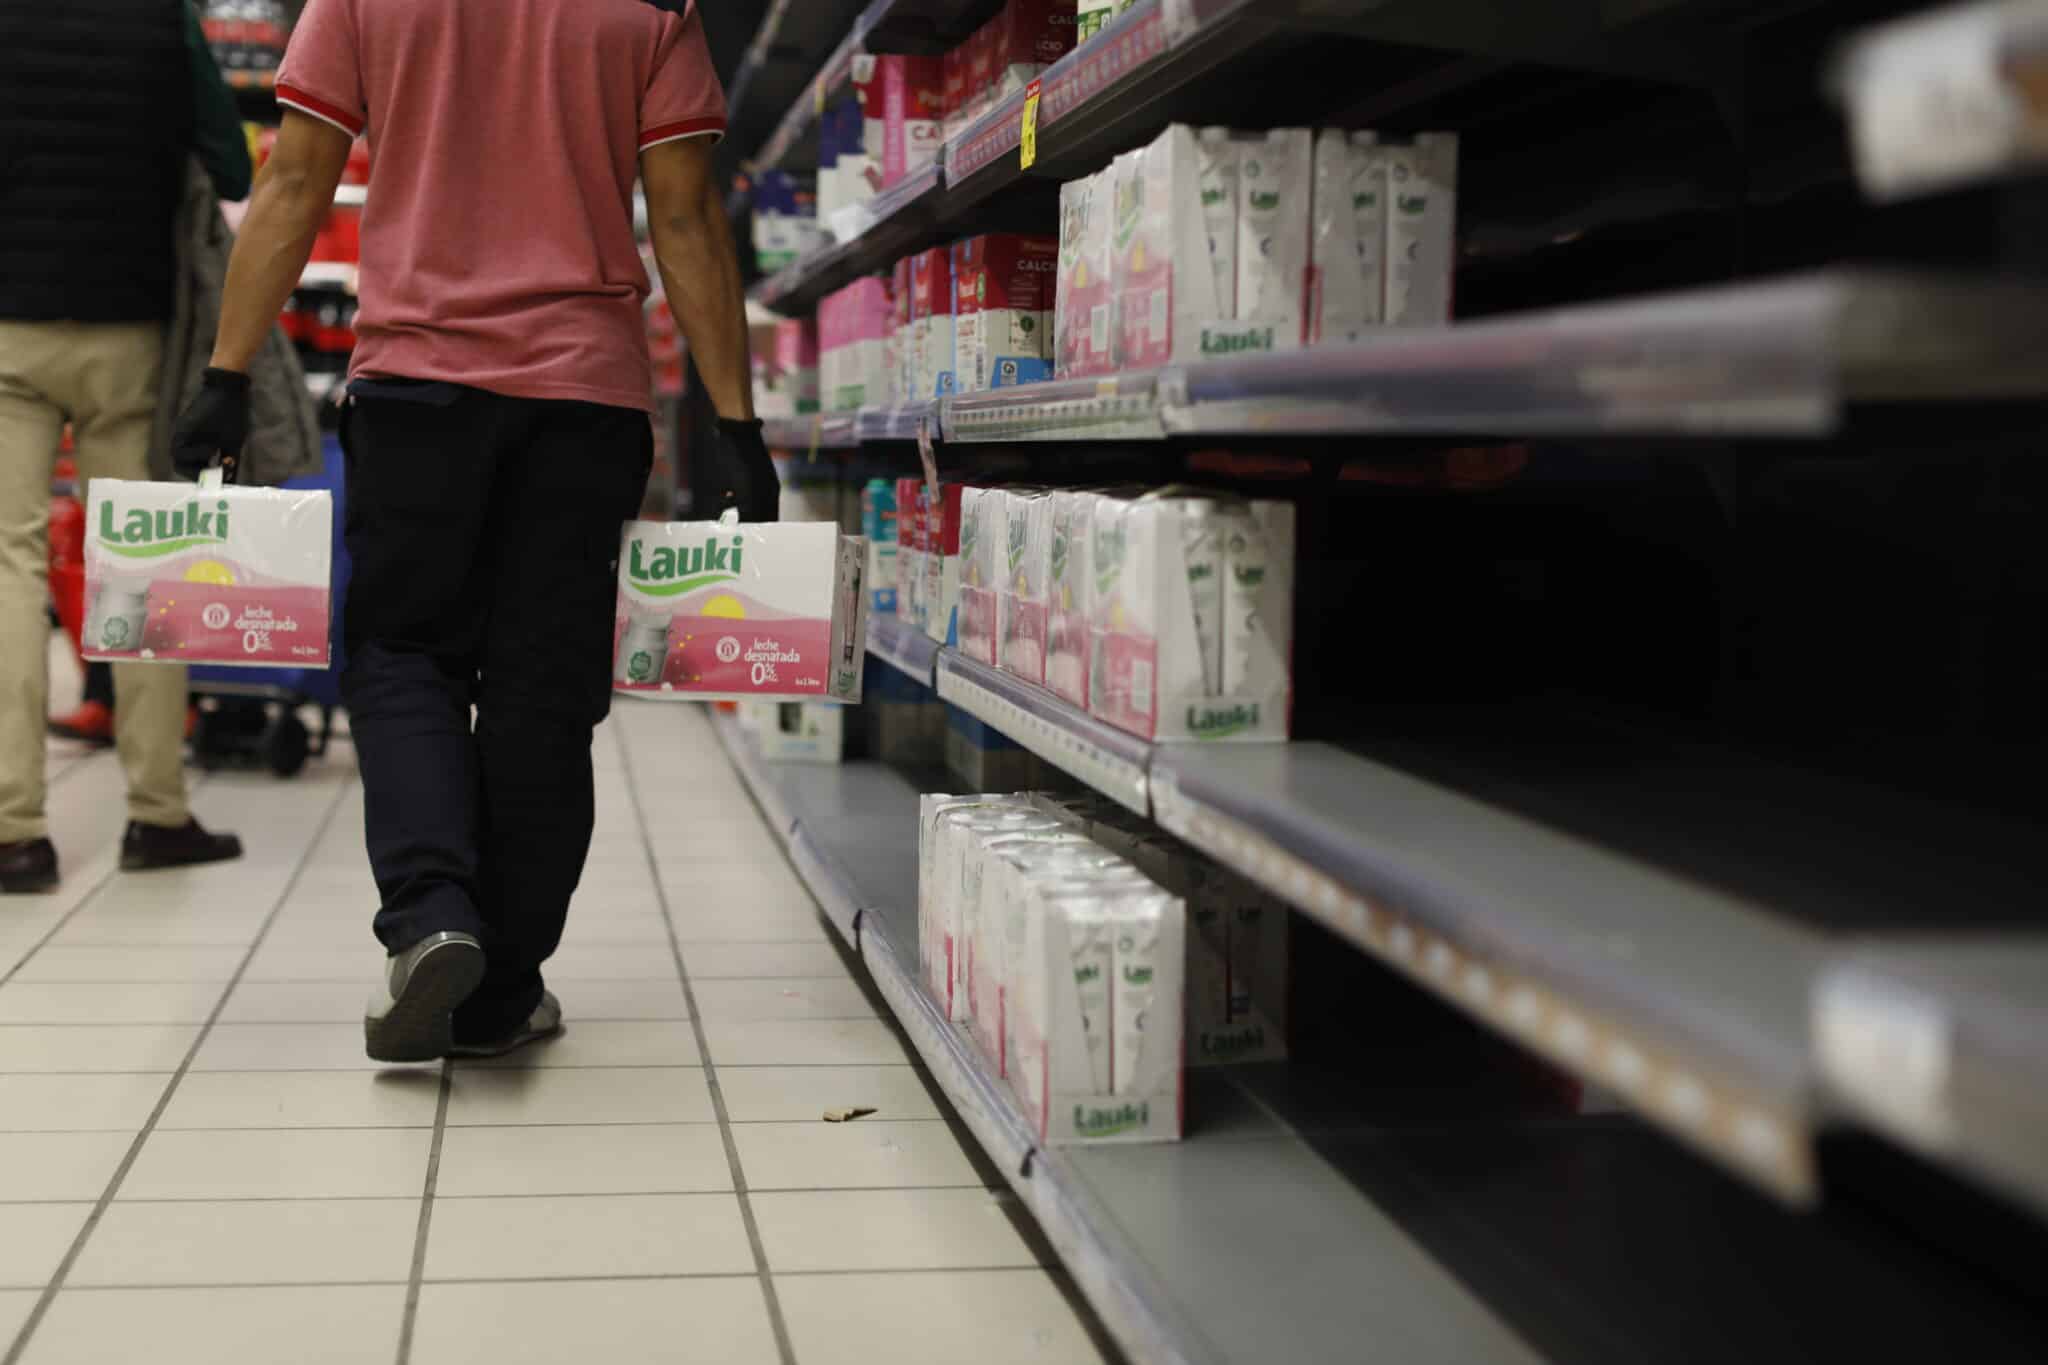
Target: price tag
818, 95
1027, 143
928, 455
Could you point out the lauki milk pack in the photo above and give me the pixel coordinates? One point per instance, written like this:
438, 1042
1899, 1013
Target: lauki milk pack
1023, 603
1002, 310
1070, 529
1083, 302
1190, 636
731, 611
1422, 182
1348, 296
178, 573
981, 532
1275, 180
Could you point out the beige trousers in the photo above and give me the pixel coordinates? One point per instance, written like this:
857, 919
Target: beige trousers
102, 378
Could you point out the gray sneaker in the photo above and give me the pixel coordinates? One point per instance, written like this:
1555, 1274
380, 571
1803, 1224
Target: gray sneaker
544, 1022
410, 1018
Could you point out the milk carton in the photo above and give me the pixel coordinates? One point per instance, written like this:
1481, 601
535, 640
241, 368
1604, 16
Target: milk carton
796, 360
942, 564
1275, 185
956, 889
953, 89
941, 947
902, 356
1023, 603
1190, 627
1347, 296
1162, 276
981, 537
1083, 300
1092, 15
1422, 181
1024, 38
853, 324
878, 527
1237, 972
1002, 310
1218, 170
1070, 520
910, 549
800, 731
177, 573
725, 611
1002, 862
931, 323
902, 102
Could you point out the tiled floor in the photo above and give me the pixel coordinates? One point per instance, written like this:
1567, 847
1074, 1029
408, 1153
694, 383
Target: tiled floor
197, 1163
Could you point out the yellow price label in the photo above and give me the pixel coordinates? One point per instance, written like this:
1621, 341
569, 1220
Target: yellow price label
818, 95
1027, 142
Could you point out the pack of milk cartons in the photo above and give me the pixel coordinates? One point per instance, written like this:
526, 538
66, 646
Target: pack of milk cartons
900, 352
992, 910
1275, 184
878, 526
786, 377
1165, 291
1422, 188
1023, 594
948, 828
1084, 302
931, 323
853, 327
796, 731
1385, 214
902, 113
178, 573
1024, 38
732, 611
910, 498
785, 221
1190, 631
942, 562
846, 177
1003, 287
981, 534
1070, 588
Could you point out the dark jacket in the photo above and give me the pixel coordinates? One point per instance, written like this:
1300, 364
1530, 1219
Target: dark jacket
99, 110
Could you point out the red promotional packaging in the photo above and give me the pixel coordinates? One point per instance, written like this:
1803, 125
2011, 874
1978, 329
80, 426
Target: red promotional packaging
930, 361
1026, 37
1003, 309
902, 103
942, 564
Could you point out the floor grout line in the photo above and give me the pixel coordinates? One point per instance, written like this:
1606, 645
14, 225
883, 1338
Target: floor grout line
698, 1193
419, 1245
1028, 1268
41, 1310
776, 1322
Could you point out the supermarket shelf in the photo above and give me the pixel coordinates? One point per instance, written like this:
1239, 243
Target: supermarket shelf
896, 424
901, 645
812, 431
1312, 1217
1782, 358
871, 237
836, 71
926, 27
1065, 736
1941, 1043
1948, 98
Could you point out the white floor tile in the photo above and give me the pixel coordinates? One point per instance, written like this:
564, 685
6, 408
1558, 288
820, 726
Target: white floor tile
131, 964
33, 1240
758, 1094
143, 1002
95, 1047
296, 1241
747, 924
317, 1163
15, 1306
140, 929
802, 1042
887, 1230
44, 1166
711, 961
997, 1317
547, 1237
618, 1322
602, 1042
332, 1325
304, 1099
869, 1153
620, 999
682, 1158
614, 962
296, 1002
580, 1095
276, 961
45, 1104
286, 1047
781, 998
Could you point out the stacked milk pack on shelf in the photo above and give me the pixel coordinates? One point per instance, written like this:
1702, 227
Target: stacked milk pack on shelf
786, 371
1005, 55
911, 498
1023, 603
847, 177
942, 562
1003, 310
931, 324
1382, 245
878, 525
854, 325
1064, 961
785, 221
726, 611
178, 573
980, 529
902, 102
1191, 616
1083, 304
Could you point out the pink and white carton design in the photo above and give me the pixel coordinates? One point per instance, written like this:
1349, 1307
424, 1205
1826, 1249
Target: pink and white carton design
731, 611
1023, 604
1002, 310
854, 326
222, 575
902, 101
1084, 304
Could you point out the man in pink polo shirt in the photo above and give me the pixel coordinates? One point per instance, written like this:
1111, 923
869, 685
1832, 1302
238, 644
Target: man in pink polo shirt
497, 435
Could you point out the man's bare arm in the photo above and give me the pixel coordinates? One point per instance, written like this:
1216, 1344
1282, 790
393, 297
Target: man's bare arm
294, 192
699, 271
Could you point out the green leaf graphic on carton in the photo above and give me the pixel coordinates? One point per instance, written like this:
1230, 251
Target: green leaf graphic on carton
1411, 203
1109, 558
1017, 537
1265, 201
671, 572
153, 534
1108, 1120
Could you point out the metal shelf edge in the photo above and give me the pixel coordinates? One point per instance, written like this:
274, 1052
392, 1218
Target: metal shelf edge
1107, 759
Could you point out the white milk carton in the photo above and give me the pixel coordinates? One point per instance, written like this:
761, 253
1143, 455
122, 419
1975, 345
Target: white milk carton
938, 906
1070, 591
1073, 935
854, 324
731, 611
1237, 975
178, 573
1348, 297
1023, 601
800, 731
1422, 218
958, 895
1165, 285
1275, 184
1023, 873
981, 536
1190, 633
1084, 301
1221, 157
1002, 310
931, 323
1004, 861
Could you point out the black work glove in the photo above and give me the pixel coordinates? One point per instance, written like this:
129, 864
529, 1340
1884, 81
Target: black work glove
741, 473
213, 425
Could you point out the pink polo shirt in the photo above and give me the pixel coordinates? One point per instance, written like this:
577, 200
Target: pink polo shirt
505, 138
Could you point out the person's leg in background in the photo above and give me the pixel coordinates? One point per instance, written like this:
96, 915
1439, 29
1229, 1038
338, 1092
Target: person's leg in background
109, 386
566, 489
421, 468
30, 425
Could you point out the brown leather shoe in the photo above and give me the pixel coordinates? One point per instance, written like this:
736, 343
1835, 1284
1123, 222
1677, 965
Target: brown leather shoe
28, 865
145, 848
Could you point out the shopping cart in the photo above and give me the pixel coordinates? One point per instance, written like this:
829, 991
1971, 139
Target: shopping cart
253, 716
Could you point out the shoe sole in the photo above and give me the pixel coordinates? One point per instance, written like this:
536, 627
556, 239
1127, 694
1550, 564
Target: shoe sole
420, 1026
29, 886
132, 862
503, 1047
